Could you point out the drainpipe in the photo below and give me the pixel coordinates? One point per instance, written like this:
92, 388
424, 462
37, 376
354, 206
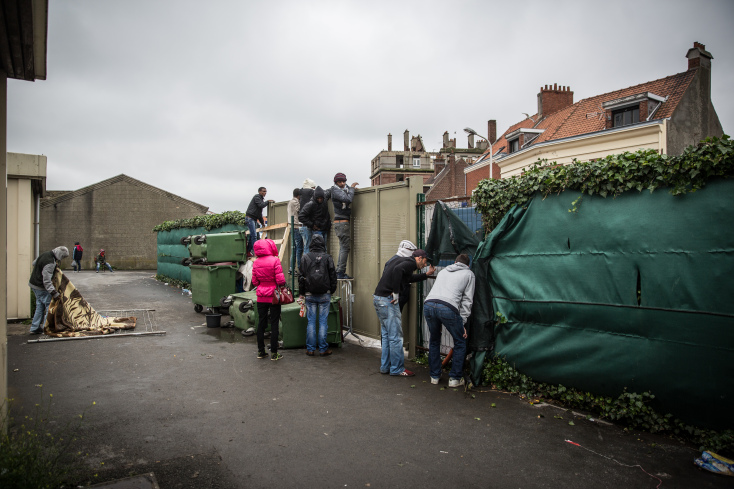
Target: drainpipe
37, 226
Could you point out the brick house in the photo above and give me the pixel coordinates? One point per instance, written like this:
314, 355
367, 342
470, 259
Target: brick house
117, 214
449, 179
396, 166
666, 115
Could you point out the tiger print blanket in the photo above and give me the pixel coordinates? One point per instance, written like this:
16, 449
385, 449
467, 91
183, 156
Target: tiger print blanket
71, 315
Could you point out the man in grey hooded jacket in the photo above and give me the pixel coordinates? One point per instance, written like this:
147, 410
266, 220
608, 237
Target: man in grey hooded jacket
40, 283
449, 304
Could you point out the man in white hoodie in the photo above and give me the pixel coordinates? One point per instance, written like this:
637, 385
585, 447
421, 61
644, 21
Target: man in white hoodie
449, 304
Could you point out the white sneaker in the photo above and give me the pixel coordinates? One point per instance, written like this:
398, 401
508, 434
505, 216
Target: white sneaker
456, 382
434, 380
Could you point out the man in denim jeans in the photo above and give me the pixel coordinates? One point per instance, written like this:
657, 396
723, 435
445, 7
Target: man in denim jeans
317, 281
449, 304
386, 298
41, 283
255, 213
342, 196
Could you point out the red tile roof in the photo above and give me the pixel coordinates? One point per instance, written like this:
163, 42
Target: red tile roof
588, 115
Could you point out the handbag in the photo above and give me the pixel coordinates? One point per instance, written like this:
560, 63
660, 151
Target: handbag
282, 295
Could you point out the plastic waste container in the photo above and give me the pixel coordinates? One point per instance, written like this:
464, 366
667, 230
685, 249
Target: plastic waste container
219, 247
210, 284
292, 326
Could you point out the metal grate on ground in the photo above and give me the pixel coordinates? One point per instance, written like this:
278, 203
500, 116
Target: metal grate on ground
145, 325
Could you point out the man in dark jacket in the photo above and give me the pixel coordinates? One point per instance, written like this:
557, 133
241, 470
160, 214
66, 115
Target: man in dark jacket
341, 197
42, 286
76, 257
315, 216
254, 214
395, 276
316, 283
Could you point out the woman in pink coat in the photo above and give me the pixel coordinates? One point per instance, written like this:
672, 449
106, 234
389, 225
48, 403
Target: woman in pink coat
267, 274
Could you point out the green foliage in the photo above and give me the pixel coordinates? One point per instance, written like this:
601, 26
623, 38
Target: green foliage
36, 452
182, 284
612, 175
629, 408
421, 358
208, 221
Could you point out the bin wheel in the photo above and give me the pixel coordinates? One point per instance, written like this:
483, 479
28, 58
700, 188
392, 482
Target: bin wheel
201, 239
245, 306
226, 301
198, 307
186, 262
248, 332
186, 240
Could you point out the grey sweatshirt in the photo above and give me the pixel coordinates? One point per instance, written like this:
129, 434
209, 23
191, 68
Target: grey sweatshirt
455, 285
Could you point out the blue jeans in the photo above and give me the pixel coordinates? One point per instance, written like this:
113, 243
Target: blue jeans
318, 306
43, 299
298, 240
252, 226
391, 331
436, 315
76, 265
109, 267
306, 238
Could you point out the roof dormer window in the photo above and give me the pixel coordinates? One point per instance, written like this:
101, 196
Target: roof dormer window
632, 109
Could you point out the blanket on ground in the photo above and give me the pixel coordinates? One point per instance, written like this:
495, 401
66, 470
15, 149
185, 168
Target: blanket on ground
71, 315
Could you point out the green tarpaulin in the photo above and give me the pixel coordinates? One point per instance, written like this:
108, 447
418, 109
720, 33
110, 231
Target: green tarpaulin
629, 292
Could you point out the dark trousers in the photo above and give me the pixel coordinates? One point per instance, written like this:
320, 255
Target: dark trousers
263, 308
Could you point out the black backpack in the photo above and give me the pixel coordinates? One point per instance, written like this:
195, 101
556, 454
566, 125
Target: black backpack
317, 279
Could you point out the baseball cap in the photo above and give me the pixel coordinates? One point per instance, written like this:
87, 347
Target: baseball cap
420, 254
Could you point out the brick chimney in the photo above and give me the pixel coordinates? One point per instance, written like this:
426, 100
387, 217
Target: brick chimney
552, 99
406, 141
492, 130
699, 57
438, 164
445, 139
389, 142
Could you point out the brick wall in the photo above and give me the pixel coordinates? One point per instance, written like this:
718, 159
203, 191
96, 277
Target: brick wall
118, 217
474, 177
451, 182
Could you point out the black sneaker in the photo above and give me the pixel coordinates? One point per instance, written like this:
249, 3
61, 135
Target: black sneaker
262, 354
276, 356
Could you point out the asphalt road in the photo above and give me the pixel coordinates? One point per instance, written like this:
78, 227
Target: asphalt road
198, 409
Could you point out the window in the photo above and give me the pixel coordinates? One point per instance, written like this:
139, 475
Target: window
626, 116
399, 161
416, 161
514, 145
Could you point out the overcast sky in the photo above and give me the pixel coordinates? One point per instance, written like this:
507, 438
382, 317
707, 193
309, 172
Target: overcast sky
210, 100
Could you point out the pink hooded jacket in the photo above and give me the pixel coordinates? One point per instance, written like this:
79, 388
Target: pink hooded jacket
267, 273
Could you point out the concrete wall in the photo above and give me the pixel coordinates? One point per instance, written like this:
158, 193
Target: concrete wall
20, 247
695, 118
26, 176
3, 241
118, 215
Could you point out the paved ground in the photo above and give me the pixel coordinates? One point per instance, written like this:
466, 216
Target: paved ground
197, 408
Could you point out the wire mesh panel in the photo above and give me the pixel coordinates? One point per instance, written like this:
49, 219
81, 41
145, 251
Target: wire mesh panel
145, 319
145, 324
468, 214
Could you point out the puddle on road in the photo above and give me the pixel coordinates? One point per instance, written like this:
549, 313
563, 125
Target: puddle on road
230, 335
